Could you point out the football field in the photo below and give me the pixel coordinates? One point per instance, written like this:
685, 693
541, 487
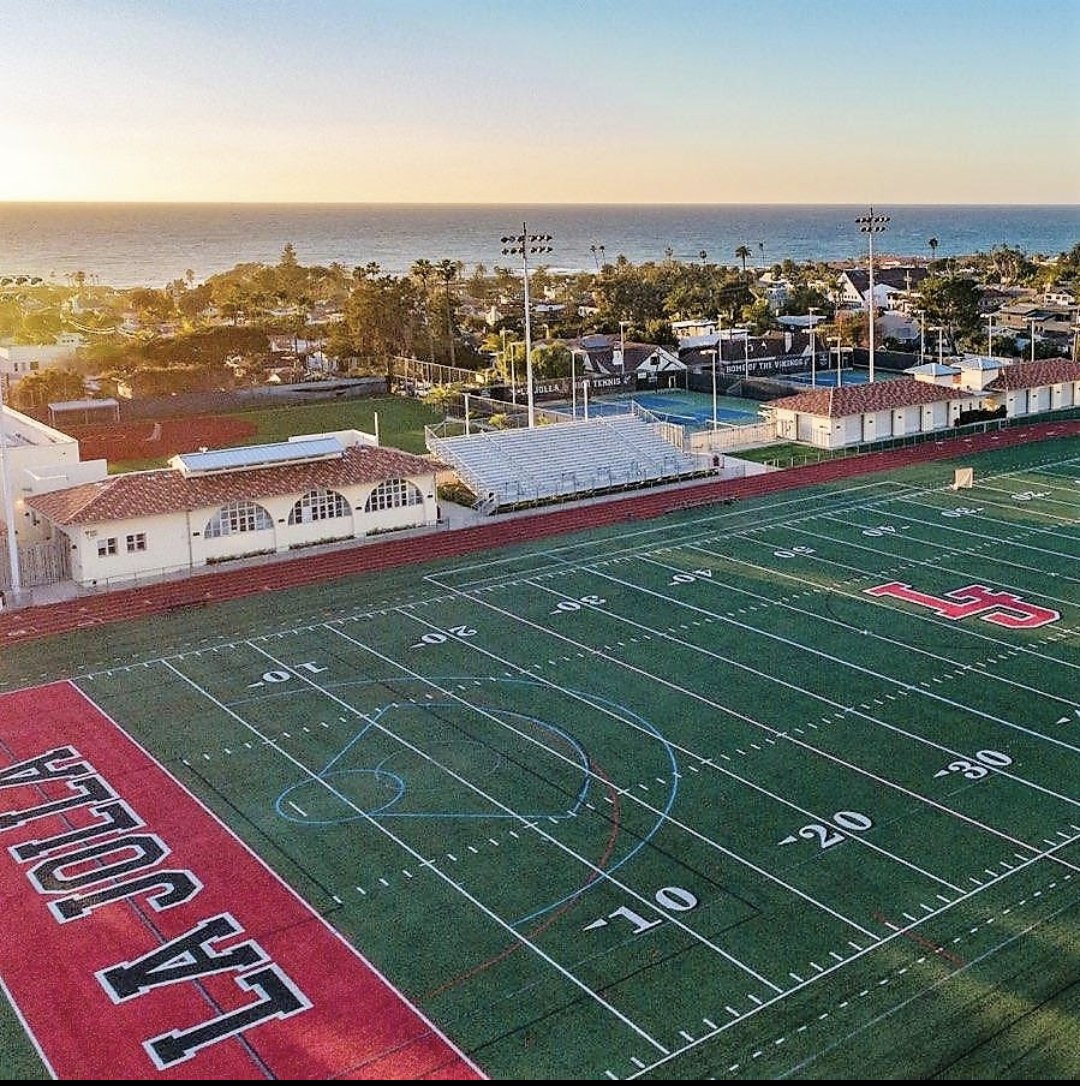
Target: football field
788, 788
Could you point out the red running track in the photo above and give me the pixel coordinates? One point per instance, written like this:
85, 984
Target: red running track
131, 603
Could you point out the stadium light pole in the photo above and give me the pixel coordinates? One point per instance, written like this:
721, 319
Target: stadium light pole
989, 335
811, 310
522, 245
622, 344
839, 357
870, 225
1032, 320
716, 364
574, 352
9, 505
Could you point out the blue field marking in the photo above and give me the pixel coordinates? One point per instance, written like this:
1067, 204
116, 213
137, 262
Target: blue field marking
380, 772
645, 838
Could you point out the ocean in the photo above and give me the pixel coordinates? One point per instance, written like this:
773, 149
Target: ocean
127, 245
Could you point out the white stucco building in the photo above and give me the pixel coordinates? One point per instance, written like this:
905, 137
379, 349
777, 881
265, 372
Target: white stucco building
36, 459
831, 418
930, 400
1032, 388
17, 360
210, 507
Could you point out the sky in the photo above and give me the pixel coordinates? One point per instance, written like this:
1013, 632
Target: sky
541, 101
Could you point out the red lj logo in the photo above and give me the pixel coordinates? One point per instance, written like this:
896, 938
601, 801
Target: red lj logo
1001, 608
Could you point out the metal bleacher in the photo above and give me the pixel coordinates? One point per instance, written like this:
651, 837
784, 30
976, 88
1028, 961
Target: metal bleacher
509, 468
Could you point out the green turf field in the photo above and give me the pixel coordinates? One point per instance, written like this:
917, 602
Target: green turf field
680, 799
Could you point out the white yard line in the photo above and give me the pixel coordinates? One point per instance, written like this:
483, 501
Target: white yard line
642, 899
840, 662
315, 778
719, 707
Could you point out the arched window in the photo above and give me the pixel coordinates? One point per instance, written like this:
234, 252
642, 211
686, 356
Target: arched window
392, 494
319, 505
242, 516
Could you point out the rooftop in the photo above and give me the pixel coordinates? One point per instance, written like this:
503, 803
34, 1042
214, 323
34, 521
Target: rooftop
170, 490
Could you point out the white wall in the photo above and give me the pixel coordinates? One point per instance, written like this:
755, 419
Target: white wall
166, 550
39, 459
177, 541
906, 420
1063, 396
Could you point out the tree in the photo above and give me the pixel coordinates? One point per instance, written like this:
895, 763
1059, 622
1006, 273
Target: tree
933, 243
952, 302
424, 271
448, 271
47, 386
758, 315
743, 253
380, 322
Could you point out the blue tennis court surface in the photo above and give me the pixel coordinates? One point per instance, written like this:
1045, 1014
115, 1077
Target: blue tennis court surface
829, 378
693, 409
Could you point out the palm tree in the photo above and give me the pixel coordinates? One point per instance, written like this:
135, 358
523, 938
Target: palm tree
761, 246
448, 270
424, 270
933, 243
592, 249
742, 253
704, 257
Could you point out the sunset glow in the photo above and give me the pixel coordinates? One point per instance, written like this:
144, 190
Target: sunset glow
420, 100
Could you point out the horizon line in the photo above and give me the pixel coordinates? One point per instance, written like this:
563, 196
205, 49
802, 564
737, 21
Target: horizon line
506, 204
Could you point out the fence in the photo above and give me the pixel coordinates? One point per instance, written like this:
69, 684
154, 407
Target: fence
434, 373
731, 438
39, 563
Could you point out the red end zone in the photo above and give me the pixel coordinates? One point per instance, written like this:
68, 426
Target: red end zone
142, 939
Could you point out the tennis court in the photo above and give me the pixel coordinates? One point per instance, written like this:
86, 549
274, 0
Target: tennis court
832, 378
786, 788
693, 409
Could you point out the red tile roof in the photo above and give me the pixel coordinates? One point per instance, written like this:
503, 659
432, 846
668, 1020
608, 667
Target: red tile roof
153, 493
880, 396
1038, 374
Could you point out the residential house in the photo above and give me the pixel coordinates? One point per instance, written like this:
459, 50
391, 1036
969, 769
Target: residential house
891, 285
17, 360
